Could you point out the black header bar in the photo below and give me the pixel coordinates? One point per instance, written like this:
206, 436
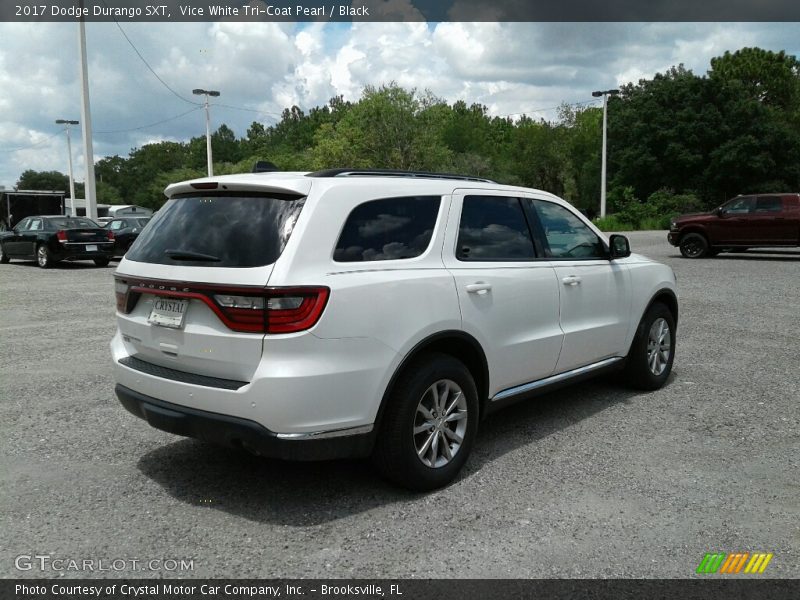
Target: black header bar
711, 588
394, 10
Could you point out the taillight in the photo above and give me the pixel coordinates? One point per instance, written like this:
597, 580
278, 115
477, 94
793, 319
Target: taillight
279, 310
125, 299
249, 310
295, 309
110, 236
62, 236
245, 313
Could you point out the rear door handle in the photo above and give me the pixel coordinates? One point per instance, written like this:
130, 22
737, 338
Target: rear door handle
479, 288
571, 280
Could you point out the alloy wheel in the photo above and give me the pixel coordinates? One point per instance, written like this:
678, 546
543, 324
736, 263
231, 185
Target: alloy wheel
659, 345
41, 256
440, 423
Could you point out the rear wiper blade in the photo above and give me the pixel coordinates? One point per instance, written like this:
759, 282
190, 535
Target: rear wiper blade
189, 255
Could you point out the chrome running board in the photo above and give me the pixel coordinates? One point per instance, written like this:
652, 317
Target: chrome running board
561, 377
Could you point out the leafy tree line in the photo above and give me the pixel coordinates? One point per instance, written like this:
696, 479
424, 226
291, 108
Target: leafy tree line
678, 141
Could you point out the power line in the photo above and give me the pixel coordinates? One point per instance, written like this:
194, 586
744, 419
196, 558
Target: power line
36, 145
166, 85
534, 110
146, 64
183, 114
252, 110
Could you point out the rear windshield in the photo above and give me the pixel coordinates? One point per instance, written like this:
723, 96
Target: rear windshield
218, 230
73, 224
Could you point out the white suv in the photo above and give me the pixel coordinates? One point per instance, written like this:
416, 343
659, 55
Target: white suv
352, 313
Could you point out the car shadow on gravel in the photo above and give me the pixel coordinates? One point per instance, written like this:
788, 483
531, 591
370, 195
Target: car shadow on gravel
761, 255
313, 493
64, 265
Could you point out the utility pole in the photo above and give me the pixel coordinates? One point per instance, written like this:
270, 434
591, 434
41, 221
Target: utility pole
214, 94
67, 123
86, 119
605, 94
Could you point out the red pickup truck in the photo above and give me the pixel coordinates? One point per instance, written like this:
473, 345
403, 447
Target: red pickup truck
752, 221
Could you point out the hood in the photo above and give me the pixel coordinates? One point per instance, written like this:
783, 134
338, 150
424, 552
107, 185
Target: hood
693, 216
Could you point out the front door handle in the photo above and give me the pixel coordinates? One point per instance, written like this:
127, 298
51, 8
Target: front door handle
571, 280
479, 288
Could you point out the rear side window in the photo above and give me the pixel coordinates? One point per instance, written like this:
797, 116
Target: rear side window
767, 204
388, 229
493, 228
218, 230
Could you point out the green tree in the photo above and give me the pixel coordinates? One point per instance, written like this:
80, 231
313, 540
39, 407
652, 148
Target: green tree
383, 129
43, 180
770, 78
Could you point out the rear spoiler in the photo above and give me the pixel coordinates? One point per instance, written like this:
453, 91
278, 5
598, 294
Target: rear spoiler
294, 186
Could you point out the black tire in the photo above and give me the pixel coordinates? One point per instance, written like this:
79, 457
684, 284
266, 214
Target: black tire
639, 371
3, 256
694, 245
395, 453
101, 262
44, 258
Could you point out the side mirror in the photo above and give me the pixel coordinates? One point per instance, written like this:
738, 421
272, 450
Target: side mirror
619, 246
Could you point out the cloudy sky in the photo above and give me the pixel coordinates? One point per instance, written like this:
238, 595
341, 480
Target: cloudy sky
263, 67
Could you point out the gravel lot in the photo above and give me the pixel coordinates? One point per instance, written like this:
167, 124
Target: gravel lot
592, 481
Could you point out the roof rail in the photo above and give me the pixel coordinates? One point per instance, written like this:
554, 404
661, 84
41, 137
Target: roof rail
394, 173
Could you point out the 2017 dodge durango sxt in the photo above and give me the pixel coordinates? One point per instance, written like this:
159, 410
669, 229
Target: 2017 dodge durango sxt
354, 313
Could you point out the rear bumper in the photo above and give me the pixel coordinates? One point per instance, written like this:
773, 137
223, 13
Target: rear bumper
79, 252
241, 433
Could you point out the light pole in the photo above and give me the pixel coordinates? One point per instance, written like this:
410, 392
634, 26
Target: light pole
605, 94
67, 123
214, 94
89, 188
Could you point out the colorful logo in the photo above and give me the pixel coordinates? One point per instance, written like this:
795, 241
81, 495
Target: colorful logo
730, 564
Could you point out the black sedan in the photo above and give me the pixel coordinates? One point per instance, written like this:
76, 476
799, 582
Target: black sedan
126, 230
50, 239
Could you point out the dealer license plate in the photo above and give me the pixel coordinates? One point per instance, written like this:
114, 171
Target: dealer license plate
91, 248
168, 312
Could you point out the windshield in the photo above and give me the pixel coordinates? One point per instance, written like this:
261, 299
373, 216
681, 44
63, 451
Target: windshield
218, 230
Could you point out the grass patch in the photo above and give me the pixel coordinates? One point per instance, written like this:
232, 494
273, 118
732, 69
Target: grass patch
612, 223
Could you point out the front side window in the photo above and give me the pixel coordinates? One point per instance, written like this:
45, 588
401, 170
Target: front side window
769, 204
567, 236
388, 229
739, 206
226, 229
493, 228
